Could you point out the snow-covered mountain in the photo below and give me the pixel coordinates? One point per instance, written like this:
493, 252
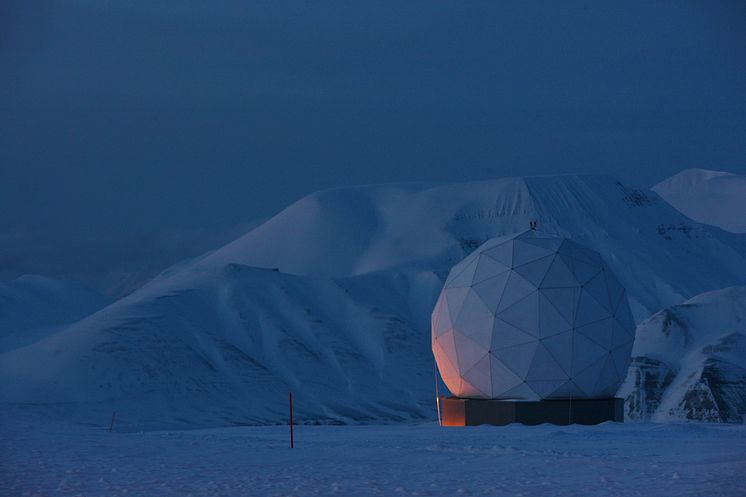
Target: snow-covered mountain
712, 197
689, 361
332, 297
32, 307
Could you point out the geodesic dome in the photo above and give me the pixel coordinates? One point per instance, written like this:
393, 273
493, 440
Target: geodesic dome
532, 316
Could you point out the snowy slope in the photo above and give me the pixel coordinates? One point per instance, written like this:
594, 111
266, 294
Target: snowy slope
689, 361
711, 197
32, 307
331, 298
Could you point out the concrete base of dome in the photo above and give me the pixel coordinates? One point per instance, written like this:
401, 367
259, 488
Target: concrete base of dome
456, 411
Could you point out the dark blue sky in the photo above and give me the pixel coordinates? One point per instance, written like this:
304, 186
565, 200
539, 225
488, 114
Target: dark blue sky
133, 134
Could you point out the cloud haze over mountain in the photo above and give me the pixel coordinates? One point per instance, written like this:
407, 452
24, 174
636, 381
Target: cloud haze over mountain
135, 134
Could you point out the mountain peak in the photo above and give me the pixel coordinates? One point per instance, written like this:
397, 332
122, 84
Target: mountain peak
690, 177
711, 197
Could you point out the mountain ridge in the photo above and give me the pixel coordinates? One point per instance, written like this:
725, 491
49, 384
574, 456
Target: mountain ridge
332, 298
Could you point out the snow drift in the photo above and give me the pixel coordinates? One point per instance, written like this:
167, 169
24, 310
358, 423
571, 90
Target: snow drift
332, 297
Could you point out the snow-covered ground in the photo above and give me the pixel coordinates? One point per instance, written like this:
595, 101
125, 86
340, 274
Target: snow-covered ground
44, 457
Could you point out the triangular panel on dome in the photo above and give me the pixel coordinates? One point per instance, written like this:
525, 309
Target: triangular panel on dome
551, 321
447, 345
487, 267
614, 287
608, 379
447, 369
565, 300
523, 314
470, 391
596, 286
464, 277
546, 241
565, 248
502, 253
619, 336
468, 351
453, 384
558, 275
479, 378
624, 316
491, 290
567, 390
517, 358
545, 367
584, 353
458, 386
560, 348
598, 331
587, 378
517, 288
523, 252
582, 271
478, 329
472, 309
441, 317
531, 234
545, 388
455, 300
621, 356
609, 391
520, 392
535, 270
589, 310
503, 379
581, 253
507, 335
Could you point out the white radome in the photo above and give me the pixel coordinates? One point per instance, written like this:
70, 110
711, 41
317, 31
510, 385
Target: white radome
532, 316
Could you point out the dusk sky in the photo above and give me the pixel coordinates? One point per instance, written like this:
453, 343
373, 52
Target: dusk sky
135, 134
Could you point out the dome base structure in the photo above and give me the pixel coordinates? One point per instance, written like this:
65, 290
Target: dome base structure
456, 411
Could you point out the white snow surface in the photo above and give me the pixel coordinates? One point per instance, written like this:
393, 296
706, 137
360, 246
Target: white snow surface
47, 457
689, 361
712, 197
331, 299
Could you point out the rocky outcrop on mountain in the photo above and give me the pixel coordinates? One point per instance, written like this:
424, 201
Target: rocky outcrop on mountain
689, 362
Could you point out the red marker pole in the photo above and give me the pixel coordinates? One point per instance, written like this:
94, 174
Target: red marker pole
290, 399
113, 417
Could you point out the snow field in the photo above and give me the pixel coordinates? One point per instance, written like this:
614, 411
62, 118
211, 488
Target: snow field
43, 457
